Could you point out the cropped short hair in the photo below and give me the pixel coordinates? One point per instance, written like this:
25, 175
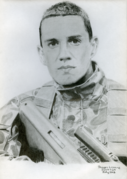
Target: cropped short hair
66, 9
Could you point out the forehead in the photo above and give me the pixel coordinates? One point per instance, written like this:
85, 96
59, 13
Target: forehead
63, 26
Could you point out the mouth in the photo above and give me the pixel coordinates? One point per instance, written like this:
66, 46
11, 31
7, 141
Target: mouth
66, 67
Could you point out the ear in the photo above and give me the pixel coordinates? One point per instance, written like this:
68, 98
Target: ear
41, 54
94, 44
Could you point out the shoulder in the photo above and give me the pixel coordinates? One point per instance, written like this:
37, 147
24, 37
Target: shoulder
30, 95
10, 110
113, 85
116, 94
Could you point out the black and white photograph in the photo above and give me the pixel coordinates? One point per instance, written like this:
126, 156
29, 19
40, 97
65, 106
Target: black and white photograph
63, 89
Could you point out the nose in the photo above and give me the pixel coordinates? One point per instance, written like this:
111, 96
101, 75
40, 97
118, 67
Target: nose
64, 52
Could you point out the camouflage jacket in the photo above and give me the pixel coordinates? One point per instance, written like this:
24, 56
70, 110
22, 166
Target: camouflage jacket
99, 104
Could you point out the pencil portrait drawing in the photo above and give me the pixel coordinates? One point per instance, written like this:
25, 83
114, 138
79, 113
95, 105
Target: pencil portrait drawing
77, 117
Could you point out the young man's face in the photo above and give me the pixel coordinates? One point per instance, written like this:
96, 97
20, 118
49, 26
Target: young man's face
67, 49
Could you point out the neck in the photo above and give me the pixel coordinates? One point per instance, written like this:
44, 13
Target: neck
83, 79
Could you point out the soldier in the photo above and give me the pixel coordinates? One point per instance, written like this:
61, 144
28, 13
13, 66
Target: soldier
79, 95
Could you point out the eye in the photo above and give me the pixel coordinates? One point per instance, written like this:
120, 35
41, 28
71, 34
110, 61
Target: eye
53, 44
74, 41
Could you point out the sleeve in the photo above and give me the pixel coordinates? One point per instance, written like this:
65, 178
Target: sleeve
13, 141
8, 113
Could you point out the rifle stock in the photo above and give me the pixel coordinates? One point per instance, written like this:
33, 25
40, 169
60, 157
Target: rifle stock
57, 148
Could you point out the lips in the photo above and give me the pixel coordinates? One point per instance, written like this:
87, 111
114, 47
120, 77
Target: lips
66, 67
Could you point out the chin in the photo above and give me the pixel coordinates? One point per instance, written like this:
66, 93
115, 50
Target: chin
66, 82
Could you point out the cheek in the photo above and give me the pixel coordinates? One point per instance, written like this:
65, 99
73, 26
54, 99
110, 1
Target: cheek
49, 58
85, 57
81, 52
82, 56
51, 53
51, 65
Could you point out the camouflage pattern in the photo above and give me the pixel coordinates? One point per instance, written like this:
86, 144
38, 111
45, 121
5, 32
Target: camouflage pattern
98, 104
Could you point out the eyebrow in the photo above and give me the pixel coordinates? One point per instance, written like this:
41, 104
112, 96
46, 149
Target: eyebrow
70, 37
49, 40
74, 36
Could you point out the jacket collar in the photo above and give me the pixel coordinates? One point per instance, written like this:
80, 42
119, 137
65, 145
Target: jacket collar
92, 88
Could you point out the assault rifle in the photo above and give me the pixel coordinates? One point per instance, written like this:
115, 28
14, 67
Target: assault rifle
57, 148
